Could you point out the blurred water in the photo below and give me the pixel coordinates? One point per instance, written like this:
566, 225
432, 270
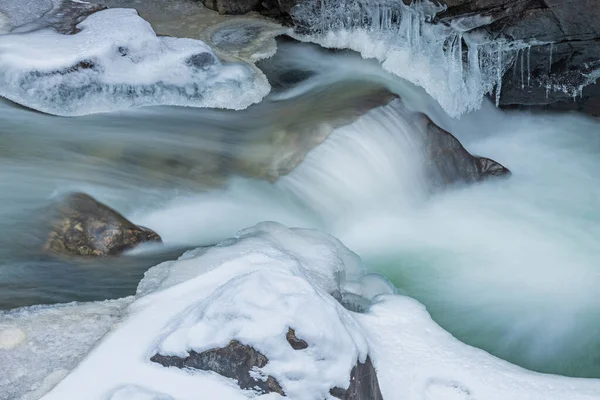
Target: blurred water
510, 266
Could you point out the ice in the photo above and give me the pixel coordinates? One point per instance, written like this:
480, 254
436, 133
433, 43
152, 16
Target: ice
407, 44
416, 359
253, 288
39, 345
115, 62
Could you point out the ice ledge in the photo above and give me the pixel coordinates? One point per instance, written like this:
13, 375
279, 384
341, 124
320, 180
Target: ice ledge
116, 61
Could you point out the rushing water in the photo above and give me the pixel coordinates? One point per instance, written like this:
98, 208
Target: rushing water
510, 266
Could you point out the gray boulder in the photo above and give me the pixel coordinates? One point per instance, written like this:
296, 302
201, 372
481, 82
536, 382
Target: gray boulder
448, 162
79, 225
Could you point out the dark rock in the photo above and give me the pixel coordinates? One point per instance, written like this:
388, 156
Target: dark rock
81, 226
363, 384
557, 69
449, 162
234, 361
297, 344
232, 7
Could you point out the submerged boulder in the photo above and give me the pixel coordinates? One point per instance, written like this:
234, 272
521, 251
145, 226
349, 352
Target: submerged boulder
81, 226
241, 362
449, 162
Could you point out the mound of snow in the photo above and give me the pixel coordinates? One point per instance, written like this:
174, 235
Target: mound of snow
116, 61
253, 288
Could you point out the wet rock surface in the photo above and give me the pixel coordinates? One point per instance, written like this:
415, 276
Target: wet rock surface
448, 162
81, 226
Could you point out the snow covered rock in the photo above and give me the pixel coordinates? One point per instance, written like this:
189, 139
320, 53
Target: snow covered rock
249, 290
82, 226
240, 362
114, 60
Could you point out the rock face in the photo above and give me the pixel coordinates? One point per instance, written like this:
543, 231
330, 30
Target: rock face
81, 226
279, 9
237, 361
363, 384
449, 162
569, 59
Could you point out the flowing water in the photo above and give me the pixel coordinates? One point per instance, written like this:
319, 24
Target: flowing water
510, 266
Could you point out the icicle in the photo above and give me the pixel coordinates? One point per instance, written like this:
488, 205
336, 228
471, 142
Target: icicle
529, 65
323, 17
499, 75
522, 69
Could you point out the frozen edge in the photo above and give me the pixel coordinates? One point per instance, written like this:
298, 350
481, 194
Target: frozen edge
414, 357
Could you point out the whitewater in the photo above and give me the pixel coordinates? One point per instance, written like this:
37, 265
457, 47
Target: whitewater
469, 291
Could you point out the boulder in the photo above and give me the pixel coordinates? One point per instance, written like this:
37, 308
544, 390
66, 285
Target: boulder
79, 225
237, 361
448, 162
234, 361
363, 384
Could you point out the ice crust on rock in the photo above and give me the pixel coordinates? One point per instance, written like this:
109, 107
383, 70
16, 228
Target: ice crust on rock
116, 62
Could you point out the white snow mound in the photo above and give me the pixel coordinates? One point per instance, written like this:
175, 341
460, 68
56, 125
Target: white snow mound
253, 288
116, 62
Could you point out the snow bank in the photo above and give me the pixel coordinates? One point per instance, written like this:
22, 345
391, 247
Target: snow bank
115, 62
253, 288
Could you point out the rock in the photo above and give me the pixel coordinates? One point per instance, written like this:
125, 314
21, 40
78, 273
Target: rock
569, 59
279, 9
237, 360
449, 162
297, 344
363, 384
232, 7
81, 226
564, 37
234, 361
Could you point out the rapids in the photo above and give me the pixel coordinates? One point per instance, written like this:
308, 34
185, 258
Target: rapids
510, 266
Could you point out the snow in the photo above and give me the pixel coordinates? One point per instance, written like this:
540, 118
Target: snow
254, 287
118, 62
39, 345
